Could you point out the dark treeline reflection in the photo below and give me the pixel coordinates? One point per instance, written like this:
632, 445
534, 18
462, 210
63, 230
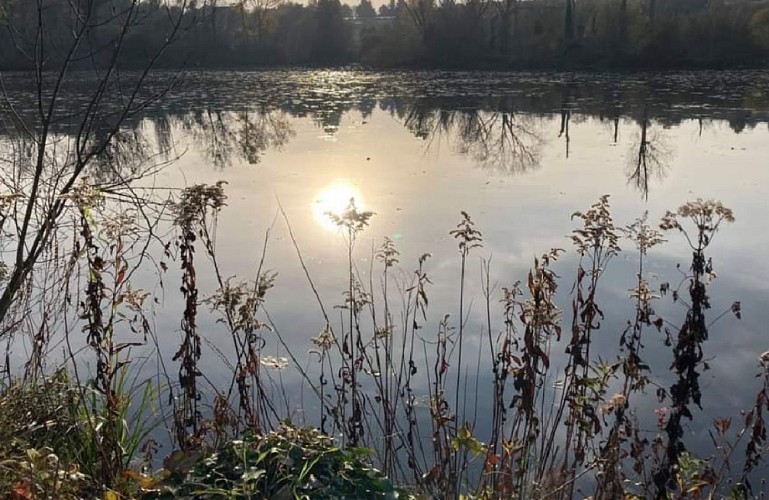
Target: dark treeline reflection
500, 140
434, 33
499, 120
222, 136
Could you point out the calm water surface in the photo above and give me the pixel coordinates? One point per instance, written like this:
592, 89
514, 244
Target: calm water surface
518, 152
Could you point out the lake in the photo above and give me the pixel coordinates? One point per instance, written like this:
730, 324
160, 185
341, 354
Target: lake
518, 152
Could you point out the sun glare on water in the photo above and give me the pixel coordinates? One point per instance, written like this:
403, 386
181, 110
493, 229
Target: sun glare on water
335, 199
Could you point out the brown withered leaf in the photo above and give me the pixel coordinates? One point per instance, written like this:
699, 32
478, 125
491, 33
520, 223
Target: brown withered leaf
737, 309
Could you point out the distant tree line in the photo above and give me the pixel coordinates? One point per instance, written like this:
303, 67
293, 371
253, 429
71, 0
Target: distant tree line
416, 33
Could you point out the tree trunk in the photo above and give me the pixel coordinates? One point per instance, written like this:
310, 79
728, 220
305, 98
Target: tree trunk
260, 26
623, 24
569, 21
504, 32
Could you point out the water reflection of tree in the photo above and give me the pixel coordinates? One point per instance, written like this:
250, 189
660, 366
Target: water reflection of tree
648, 157
125, 156
567, 103
499, 140
502, 141
247, 134
128, 154
259, 132
210, 131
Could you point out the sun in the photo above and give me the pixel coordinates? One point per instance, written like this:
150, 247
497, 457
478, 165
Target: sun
335, 199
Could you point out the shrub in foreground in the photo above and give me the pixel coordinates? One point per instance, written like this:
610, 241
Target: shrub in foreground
291, 462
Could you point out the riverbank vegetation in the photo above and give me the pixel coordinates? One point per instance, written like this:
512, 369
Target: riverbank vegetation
390, 394
484, 34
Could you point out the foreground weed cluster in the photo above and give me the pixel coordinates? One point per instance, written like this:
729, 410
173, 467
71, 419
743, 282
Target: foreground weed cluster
290, 462
45, 449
